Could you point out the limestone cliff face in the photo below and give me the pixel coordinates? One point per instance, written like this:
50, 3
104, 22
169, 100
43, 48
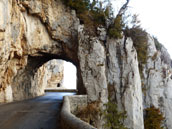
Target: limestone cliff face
157, 81
92, 58
124, 80
35, 32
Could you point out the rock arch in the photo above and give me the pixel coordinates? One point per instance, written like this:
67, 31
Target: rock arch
35, 39
23, 84
37, 31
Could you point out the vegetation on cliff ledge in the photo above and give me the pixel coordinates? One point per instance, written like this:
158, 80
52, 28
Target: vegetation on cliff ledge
91, 14
96, 13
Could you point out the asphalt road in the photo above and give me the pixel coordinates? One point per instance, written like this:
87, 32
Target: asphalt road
39, 113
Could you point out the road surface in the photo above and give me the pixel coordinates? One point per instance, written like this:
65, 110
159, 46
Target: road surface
39, 113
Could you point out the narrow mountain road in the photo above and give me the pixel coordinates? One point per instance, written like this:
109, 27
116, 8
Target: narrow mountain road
39, 113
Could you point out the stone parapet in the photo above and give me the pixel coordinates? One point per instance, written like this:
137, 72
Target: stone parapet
70, 104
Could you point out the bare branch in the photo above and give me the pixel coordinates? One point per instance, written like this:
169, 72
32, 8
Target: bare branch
123, 8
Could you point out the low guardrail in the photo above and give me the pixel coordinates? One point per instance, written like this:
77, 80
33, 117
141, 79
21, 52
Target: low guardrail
70, 104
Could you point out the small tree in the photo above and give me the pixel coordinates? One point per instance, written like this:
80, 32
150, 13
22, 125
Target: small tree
153, 118
115, 30
80, 6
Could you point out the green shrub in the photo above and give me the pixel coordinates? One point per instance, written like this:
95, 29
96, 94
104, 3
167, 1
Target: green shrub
80, 6
114, 118
98, 16
91, 14
115, 30
153, 118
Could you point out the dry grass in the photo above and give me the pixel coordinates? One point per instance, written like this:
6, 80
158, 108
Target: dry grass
89, 113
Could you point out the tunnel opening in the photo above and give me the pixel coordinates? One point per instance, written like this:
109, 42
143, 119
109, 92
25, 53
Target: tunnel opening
32, 81
57, 75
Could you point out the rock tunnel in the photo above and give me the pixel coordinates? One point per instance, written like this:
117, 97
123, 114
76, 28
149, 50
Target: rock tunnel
24, 85
35, 40
37, 32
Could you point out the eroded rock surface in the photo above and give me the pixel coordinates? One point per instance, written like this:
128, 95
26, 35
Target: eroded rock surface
124, 80
157, 81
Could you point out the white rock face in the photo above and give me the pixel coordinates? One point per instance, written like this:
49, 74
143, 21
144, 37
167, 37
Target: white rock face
157, 82
92, 64
124, 80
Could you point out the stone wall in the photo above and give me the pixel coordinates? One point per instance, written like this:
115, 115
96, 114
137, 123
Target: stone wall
70, 121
